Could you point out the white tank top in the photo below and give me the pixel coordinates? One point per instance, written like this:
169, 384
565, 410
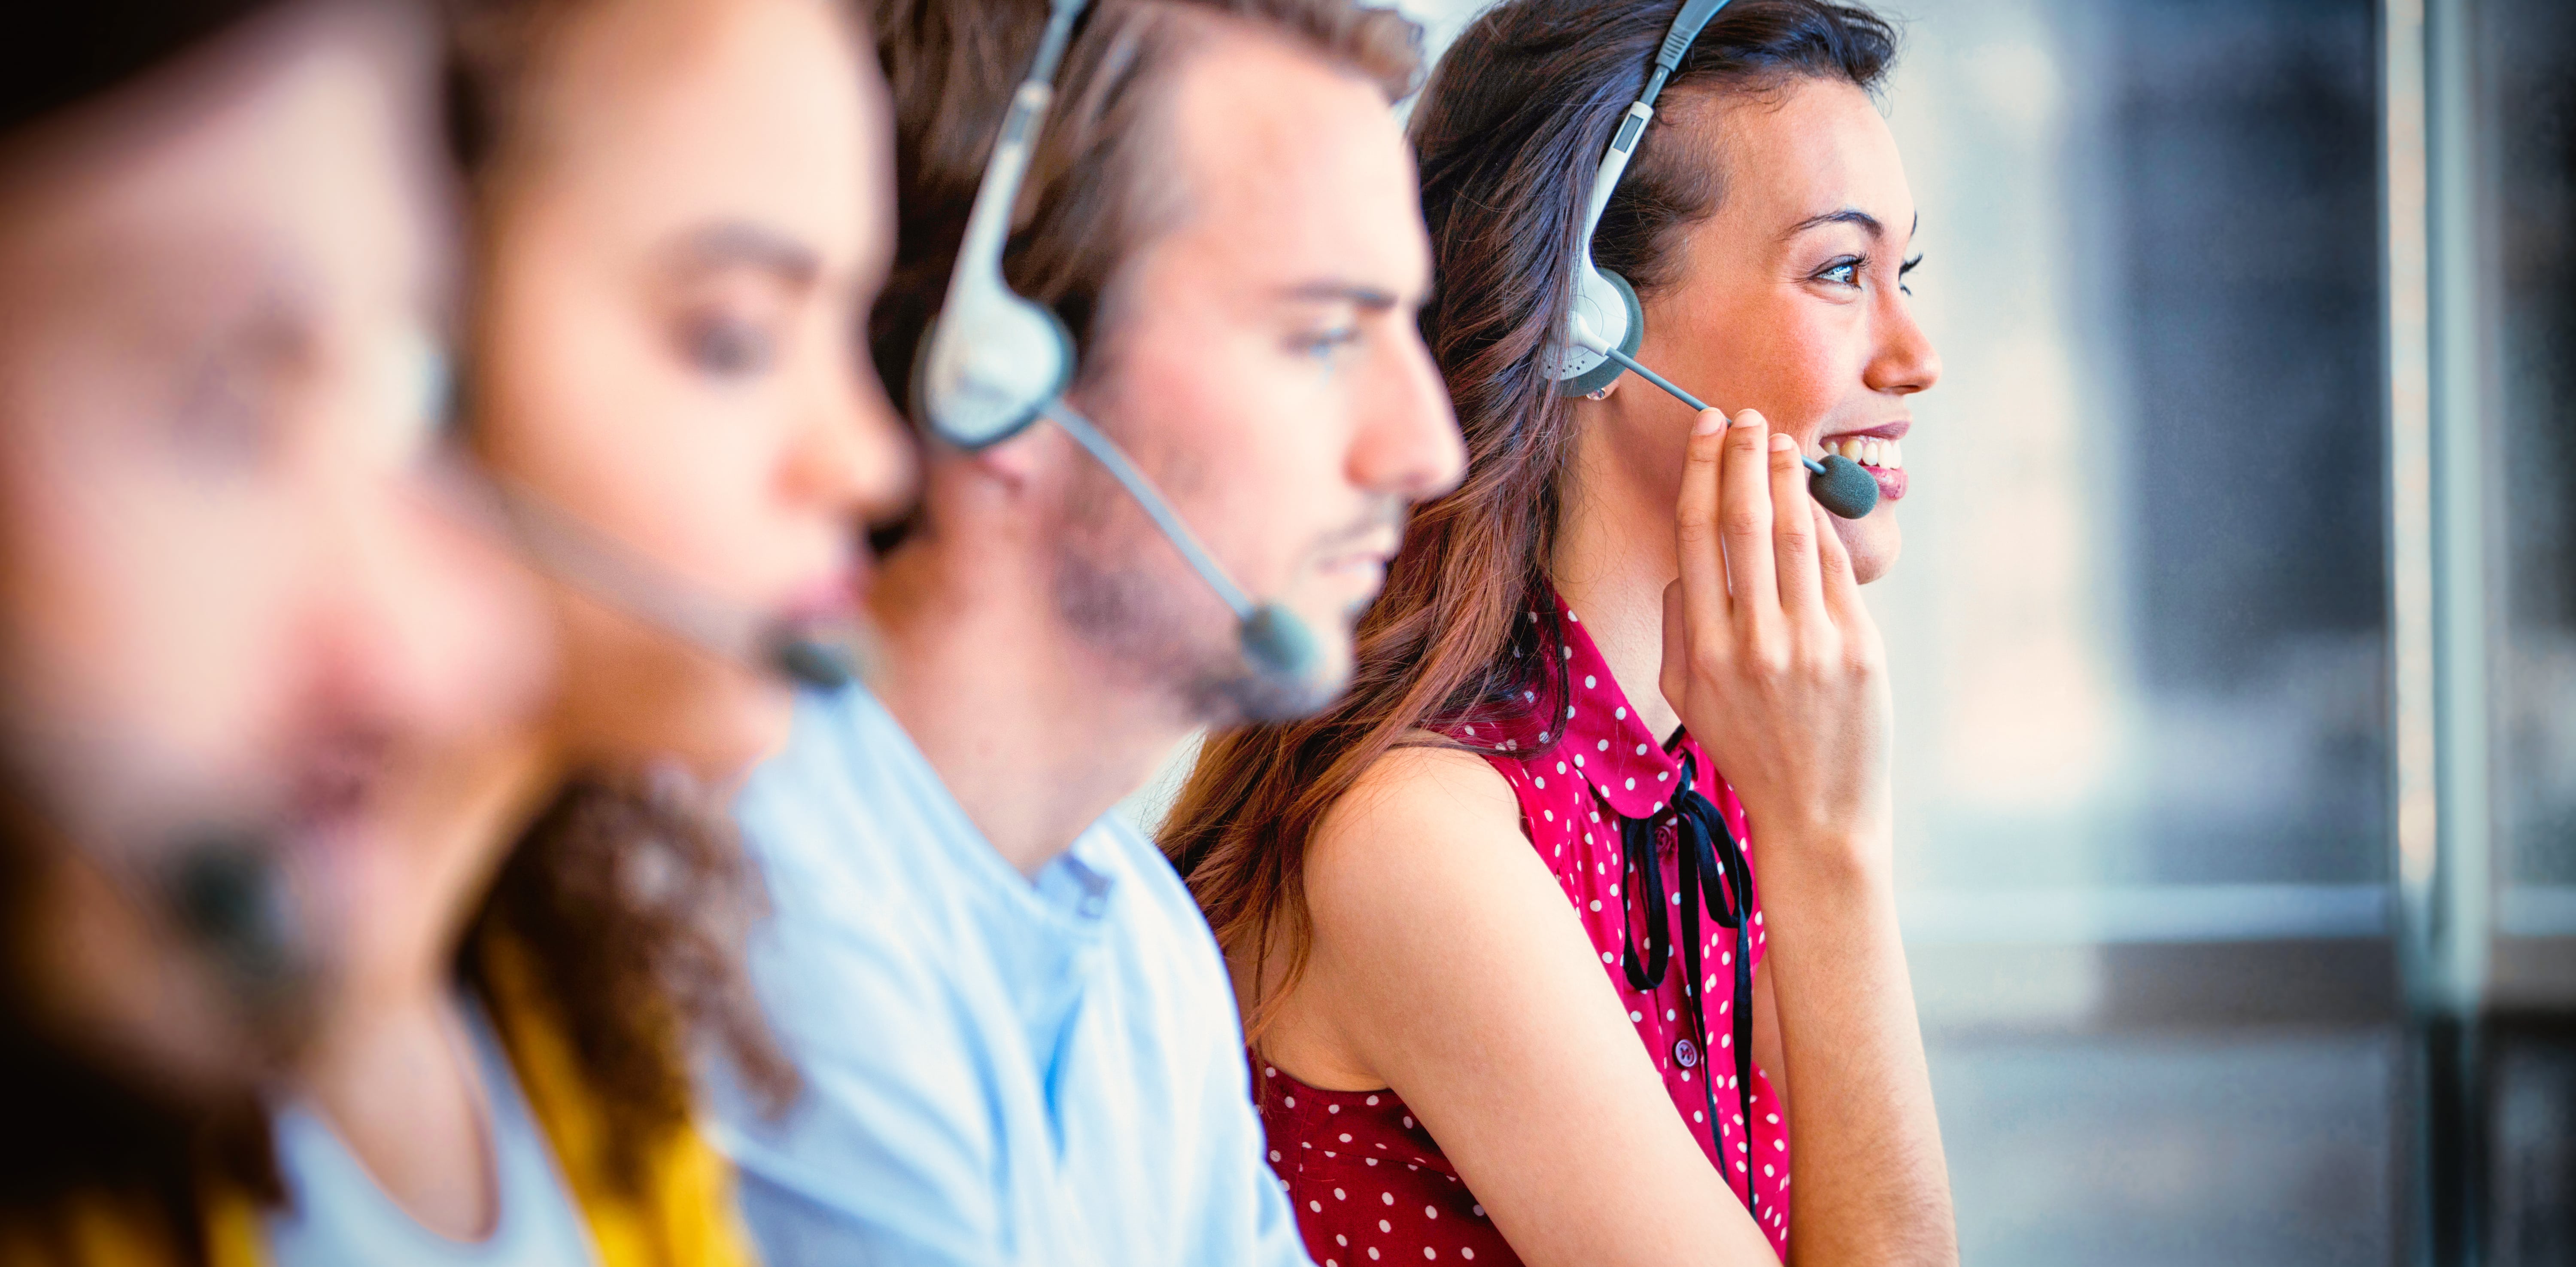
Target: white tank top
338, 1216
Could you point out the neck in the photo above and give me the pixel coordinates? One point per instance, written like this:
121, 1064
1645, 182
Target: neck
1033, 733
393, 1074
390, 1065
1614, 556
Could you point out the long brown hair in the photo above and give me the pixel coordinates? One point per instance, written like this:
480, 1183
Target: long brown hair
1507, 135
632, 905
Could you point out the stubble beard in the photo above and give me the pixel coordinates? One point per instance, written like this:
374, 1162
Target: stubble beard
1155, 629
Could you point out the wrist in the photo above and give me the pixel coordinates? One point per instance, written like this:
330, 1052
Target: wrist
1827, 860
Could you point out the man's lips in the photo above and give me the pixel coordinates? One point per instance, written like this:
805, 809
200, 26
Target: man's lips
1371, 553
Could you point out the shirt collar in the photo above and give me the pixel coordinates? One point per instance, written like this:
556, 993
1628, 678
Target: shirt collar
1622, 760
1591, 729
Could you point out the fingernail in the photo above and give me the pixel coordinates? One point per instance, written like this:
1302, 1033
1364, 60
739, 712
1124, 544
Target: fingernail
1748, 419
1782, 442
1711, 421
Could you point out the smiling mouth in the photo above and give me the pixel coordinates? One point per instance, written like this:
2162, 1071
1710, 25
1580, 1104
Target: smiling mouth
1883, 456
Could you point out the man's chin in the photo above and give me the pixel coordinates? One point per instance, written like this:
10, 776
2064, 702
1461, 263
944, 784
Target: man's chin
1243, 694
1253, 696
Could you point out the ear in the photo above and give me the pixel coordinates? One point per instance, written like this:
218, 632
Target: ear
1603, 391
1008, 470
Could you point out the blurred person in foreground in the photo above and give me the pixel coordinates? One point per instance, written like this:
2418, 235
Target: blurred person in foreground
681, 209
1495, 909
681, 212
1016, 1035
240, 603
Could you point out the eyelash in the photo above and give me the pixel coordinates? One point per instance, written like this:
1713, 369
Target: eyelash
1856, 264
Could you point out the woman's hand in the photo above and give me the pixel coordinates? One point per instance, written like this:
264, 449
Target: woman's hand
1770, 657
1777, 669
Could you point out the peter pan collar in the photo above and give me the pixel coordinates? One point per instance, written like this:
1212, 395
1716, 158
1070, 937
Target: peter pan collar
1595, 733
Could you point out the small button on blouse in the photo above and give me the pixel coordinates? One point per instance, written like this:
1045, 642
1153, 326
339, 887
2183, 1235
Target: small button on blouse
1368, 1183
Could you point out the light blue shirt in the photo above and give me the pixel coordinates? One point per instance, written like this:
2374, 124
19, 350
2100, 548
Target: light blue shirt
337, 1214
996, 1071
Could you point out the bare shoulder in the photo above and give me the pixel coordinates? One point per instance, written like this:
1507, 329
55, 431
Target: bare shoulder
1427, 826
1426, 796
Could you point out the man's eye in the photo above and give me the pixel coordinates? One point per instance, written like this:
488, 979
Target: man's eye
728, 347
1322, 345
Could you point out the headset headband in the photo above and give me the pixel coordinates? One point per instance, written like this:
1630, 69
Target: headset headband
1687, 25
993, 360
1604, 317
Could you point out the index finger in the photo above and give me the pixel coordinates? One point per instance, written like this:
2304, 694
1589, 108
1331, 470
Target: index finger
1703, 566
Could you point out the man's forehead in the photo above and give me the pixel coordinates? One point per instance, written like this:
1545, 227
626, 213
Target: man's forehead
1289, 165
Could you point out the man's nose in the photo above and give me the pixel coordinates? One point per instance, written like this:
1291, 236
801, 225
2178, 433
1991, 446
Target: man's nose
1408, 443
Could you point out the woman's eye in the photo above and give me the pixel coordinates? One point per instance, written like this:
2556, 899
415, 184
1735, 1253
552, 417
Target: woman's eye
224, 412
1842, 272
728, 347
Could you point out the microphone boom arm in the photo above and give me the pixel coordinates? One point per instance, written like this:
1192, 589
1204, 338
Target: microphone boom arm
1147, 496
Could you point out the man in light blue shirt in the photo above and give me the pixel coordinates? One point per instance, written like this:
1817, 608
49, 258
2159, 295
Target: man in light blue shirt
1017, 1036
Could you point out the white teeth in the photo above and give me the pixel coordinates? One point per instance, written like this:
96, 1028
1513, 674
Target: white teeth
1880, 453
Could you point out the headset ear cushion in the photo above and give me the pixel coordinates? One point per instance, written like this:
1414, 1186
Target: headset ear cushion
1020, 349
1634, 333
916, 399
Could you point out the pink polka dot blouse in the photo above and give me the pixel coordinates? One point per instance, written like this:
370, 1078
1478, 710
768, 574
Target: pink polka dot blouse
1368, 1183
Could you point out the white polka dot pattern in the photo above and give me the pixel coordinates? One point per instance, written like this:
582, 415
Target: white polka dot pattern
1559, 814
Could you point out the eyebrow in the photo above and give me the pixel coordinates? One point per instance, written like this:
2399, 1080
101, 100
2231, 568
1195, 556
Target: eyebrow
1850, 215
1334, 290
735, 244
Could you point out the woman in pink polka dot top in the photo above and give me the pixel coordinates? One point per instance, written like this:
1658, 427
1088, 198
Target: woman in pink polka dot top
1514, 991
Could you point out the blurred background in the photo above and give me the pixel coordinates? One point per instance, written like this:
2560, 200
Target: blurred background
2235, 636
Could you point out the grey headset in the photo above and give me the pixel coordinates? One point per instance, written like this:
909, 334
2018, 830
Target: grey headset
1605, 325
993, 363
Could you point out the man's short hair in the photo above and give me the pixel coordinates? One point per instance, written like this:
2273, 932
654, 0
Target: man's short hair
1096, 190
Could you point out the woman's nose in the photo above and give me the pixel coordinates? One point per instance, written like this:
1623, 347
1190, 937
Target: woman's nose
854, 453
1906, 361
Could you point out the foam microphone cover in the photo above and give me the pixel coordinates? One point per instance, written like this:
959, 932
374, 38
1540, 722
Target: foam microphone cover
1278, 644
230, 894
812, 662
1844, 489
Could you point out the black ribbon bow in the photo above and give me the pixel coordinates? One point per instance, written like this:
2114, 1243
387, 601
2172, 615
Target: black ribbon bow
1712, 862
